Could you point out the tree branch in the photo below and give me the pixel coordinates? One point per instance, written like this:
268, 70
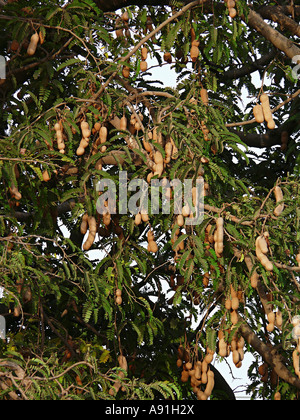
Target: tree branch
276, 14
276, 38
270, 356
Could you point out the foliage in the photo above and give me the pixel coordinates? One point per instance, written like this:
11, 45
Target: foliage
64, 328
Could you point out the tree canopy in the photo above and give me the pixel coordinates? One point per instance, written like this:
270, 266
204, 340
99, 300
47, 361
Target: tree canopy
122, 306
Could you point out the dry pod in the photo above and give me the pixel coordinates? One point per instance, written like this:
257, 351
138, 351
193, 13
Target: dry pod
279, 198
144, 66
267, 111
144, 53
119, 300
92, 233
219, 237
126, 72
195, 51
123, 123
84, 224
33, 44
85, 130
258, 114
152, 247
168, 57
261, 251
204, 96
59, 137
277, 396
46, 176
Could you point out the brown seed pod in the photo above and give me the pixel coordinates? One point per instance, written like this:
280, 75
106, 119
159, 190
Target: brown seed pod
152, 247
194, 53
168, 57
144, 53
119, 300
277, 396
46, 176
144, 66
92, 233
126, 72
267, 111
33, 44
261, 251
204, 96
279, 197
123, 123
258, 114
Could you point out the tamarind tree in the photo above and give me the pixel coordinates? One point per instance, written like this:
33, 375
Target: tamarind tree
113, 319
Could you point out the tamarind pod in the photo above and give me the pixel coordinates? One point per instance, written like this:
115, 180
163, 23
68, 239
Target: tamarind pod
235, 303
152, 247
33, 44
150, 236
144, 53
270, 327
254, 280
123, 363
258, 114
204, 96
222, 348
267, 264
144, 66
228, 304
231, 4
168, 57
279, 319
123, 123
158, 169
158, 158
241, 342
15, 193
80, 151
219, 237
277, 396
186, 211
103, 135
179, 363
235, 357
198, 371
271, 124
92, 233
279, 197
84, 224
271, 317
201, 395
264, 99
185, 376
234, 317
232, 13
263, 369
138, 219
168, 150
126, 72
210, 383
180, 220
107, 219
194, 53
208, 358
261, 245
